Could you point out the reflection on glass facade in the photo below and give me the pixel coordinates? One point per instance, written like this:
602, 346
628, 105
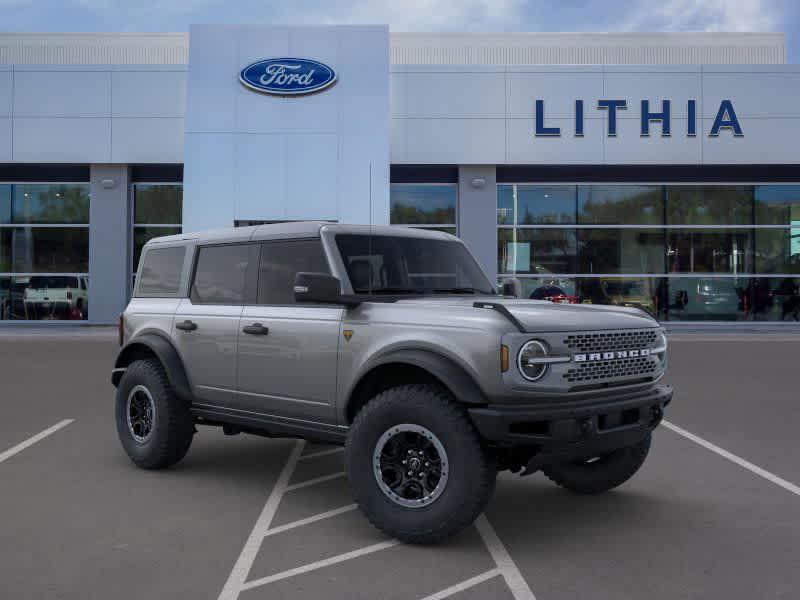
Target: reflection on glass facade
621, 251
778, 250
536, 251
535, 204
157, 211
44, 251
679, 252
429, 205
710, 251
615, 204
709, 205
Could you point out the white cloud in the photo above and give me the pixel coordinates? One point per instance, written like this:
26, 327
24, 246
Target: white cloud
416, 15
704, 15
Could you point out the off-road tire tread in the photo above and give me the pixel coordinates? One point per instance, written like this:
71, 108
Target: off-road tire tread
585, 480
168, 449
463, 514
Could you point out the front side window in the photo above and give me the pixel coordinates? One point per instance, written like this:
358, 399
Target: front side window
381, 264
220, 274
281, 261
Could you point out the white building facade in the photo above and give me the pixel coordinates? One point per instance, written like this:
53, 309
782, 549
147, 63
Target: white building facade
652, 170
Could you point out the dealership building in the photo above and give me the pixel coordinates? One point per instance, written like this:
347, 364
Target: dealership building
652, 170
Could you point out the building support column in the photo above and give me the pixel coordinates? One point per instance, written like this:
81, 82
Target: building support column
477, 214
109, 242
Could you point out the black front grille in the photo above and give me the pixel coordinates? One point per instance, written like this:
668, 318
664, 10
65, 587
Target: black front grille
602, 370
608, 341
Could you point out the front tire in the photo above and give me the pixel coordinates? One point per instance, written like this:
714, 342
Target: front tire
154, 426
602, 473
416, 465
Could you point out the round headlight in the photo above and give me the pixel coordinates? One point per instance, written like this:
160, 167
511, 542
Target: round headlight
527, 360
662, 345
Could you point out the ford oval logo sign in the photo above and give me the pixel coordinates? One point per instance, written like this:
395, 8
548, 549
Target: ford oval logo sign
287, 76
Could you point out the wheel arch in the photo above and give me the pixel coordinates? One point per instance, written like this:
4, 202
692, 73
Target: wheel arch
412, 366
153, 345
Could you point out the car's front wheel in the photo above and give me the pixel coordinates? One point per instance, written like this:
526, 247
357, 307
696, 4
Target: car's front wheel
600, 473
154, 426
416, 465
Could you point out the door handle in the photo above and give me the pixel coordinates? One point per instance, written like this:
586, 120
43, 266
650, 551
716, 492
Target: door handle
256, 329
187, 325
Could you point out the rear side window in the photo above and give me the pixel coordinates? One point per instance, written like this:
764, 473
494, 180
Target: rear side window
161, 271
281, 261
220, 274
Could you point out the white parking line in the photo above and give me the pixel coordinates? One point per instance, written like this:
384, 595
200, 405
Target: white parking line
241, 569
314, 481
788, 486
464, 585
33, 439
237, 580
505, 564
322, 453
314, 519
320, 564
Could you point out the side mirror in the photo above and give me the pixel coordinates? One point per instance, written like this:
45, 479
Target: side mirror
317, 287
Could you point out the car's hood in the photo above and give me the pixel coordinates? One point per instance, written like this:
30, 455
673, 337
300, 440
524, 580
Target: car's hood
541, 315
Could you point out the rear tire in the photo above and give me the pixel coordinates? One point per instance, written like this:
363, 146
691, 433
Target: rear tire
154, 426
422, 509
600, 474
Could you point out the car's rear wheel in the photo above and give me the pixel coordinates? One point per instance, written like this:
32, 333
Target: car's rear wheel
154, 426
416, 465
600, 473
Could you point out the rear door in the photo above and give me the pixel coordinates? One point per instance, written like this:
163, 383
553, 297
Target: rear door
288, 351
206, 325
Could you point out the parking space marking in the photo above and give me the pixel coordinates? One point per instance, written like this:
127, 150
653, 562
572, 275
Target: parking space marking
320, 564
307, 521
322, 453
237, 580
787, 485
464, 585
33, 439
235, 583
315, 481
505, 564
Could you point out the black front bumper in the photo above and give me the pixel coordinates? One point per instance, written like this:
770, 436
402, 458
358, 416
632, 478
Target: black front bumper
564, 430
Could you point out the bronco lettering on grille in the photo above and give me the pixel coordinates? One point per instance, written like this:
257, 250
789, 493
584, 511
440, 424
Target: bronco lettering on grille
610, 355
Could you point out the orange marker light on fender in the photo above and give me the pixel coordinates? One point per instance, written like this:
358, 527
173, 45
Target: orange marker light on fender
503, 358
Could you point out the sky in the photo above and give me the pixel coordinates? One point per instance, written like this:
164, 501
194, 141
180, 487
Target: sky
413, 15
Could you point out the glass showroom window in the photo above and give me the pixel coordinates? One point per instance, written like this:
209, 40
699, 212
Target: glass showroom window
157, 211
44, 251
424, 205
680, 252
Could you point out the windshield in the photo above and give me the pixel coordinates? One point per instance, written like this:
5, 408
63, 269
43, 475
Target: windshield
39, 282
384, 264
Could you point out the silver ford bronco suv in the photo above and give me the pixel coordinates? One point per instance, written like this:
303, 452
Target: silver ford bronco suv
393, 342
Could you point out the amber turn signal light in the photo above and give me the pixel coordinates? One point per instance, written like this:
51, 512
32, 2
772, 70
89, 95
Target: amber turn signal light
504, 358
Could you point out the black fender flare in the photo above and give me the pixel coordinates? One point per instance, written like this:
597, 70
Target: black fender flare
452, 375
167, 355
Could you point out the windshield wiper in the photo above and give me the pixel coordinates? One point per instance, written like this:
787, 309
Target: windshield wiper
388, 290
455, 290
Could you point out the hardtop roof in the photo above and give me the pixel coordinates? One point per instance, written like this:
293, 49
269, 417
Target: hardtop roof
289, 230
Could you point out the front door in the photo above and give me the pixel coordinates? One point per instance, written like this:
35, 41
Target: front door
206, 325
287, 357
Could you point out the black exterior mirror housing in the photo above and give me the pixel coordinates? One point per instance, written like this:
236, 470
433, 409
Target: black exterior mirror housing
317, 287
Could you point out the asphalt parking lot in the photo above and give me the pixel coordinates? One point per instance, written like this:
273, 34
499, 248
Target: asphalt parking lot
714, 513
